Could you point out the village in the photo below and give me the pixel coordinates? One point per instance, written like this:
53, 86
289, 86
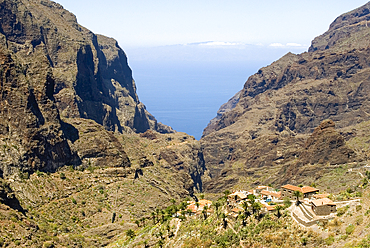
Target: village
306, 205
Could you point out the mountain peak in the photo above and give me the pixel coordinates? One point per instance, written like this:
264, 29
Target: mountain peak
350, 30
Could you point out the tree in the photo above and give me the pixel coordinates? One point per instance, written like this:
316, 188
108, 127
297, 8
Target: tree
243, 218
278, 208
297, 194
224, 220
252, 198
137, 222
287, 202
217, 205
226, 193
153, 217
130, 233
204, 212
245, 207
256, 207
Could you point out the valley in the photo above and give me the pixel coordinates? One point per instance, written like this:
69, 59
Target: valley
84, 164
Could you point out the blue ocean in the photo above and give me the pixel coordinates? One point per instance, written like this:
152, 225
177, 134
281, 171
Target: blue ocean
186, 93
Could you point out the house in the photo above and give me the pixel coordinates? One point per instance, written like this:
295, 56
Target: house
260, 188
288, 191
198, 206
269, 196
323, 206
237, 196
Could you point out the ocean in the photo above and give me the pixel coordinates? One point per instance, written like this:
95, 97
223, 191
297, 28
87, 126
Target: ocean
186, 95
184, 86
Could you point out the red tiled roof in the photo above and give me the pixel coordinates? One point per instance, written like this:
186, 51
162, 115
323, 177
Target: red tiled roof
236, 210
323, 201
308, 189
204, 202
291, 187
305, 189
192, 207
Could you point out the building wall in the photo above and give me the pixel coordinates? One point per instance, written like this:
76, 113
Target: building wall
324, 209
287, 193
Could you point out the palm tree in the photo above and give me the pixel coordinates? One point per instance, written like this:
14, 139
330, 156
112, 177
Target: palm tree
217, 204
245, 207
153, 217
224, 220
243, 218
278, 208
137, 222
252, 198
297, 194
204, 212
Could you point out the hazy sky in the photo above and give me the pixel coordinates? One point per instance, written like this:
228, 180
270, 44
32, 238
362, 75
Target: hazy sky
166, 22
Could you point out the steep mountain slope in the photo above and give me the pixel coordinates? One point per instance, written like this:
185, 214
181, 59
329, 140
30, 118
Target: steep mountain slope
282, 103
53, 69
80, 156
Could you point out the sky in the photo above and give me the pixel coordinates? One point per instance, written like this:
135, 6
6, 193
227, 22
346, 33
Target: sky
166, 22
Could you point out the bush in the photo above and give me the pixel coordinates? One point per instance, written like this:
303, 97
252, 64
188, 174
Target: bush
350, 229
62, 176
130, 233
358, 208
287, 202
329, 240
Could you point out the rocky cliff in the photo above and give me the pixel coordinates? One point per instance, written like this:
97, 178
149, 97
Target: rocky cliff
52, 70
284, 102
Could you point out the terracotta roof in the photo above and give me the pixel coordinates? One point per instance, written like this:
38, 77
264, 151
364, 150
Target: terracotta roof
204, 202
291, 187
305, 189
323, 201
274, 194
192, 207
320, 196
236, 210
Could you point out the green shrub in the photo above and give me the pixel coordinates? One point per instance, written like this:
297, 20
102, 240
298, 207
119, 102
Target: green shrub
350, 229
358, 208
329, 240
62, 176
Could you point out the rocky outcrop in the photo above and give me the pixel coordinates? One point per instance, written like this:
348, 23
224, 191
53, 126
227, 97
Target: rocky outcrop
96, 146
290, 98
326, 145
53, 68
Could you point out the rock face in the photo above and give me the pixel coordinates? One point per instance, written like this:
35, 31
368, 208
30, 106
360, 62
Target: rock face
291, 97
52, 69
326, 145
